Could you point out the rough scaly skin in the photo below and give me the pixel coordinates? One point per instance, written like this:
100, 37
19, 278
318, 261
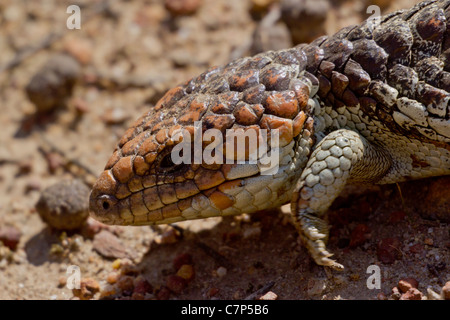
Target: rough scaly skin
368, 104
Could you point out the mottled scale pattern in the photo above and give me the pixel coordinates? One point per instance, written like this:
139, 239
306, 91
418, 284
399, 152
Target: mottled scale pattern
368, 104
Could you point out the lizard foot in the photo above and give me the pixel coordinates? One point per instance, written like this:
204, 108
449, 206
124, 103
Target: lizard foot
314, 234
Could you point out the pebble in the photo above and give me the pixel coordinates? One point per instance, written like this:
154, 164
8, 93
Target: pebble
91, 227
212, 292
109, 246
316, 286
432, 295
64, 205
416, 248
88, 288
221, 272
170, 236
116, 264
142, 286
112, 277
269, 296
80, 49
305, 19
182, 7
33, 184
186, 272
182, 259
176, 284
395, 294
406, 284
446, 291
270, 34
412, 294
10, 236
381, 296
62, 281
115, 116
388, 250
163, 293
125, 284
49, 88
252, 232
127, 267
359, 235
397, 216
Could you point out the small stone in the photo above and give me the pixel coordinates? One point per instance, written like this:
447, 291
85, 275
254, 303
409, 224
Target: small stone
305, 19
269, 296
395, 293
182, 7
88, 288
171, 235
127, 267
212, 292
446, 291
109, 246
186, 272
107, 290
92, 227
428, 241
10, 236
432, 295
33, 184
53, 83
64, 205
176, 284
397, 216
381, 296
407, 283
142, 286
417, 248
126, 284
116, 264
252, 232
354, 277
412, 294
115, 116
137, 296
112, 277
359, 235
221, 272
388, 250
182, 259
80, 106
316, 287
80, 49
163, 294
62, 281
54, 161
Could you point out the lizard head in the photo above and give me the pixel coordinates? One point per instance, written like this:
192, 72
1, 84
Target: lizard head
144, 181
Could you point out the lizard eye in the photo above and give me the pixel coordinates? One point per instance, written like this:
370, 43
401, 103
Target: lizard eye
166, 164
106, 202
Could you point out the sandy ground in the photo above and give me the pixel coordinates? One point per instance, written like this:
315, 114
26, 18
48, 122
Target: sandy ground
130, 54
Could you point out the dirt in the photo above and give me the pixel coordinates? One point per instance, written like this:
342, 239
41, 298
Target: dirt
131, 53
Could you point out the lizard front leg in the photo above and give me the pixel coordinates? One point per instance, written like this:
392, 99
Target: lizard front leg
341, 156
